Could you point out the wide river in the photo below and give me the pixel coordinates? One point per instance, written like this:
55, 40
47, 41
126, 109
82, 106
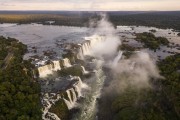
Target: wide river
49, 38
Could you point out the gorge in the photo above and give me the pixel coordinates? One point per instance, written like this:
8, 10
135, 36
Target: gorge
96, 73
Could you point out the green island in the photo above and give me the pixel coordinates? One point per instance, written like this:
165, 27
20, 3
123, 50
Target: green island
19, 91
158, 103
151, 41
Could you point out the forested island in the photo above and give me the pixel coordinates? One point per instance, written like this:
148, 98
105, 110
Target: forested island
151, 41
19, 91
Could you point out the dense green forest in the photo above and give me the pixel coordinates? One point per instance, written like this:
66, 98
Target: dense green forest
43, 19
155, 19
151, 41
19, 91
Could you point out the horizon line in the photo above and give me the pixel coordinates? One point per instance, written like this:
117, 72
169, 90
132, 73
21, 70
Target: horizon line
101, 10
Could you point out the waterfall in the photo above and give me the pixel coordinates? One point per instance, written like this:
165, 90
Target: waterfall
68, 103
56, 65
117, 58
66, 62
71, 93
44, 71
53, 67
48, 69
69, 97
88, 107
86, 47
47, 102
78, 87
78, 90
74, 99
80, 53
83, 70
74, 91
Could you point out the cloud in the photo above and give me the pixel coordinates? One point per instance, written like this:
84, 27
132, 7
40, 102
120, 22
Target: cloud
135, 72
90, 5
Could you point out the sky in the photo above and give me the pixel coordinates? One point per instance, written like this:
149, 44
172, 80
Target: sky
91, 5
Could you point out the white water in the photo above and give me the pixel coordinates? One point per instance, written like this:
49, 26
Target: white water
51, 98
45, 70
69, 103
88, 107
84, 71
66, 62
48, 69
56, 65
86, 47
47, 102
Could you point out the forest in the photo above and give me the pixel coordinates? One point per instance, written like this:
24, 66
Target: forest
83, 18
19, 91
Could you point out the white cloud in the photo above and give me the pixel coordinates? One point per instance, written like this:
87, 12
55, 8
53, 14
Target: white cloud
90, 5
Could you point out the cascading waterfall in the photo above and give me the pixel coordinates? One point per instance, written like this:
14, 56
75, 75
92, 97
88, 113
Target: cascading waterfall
84, 71
86, 47
47, 101
70, 103
74, 97
66, 62
57, 65
70, 97
48, 69
95, 84
88, 107
44, 71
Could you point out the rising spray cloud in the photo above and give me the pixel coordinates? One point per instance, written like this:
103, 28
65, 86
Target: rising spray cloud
111, 40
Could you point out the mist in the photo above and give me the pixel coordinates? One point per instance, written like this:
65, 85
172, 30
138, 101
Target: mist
136, 71
108, 47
